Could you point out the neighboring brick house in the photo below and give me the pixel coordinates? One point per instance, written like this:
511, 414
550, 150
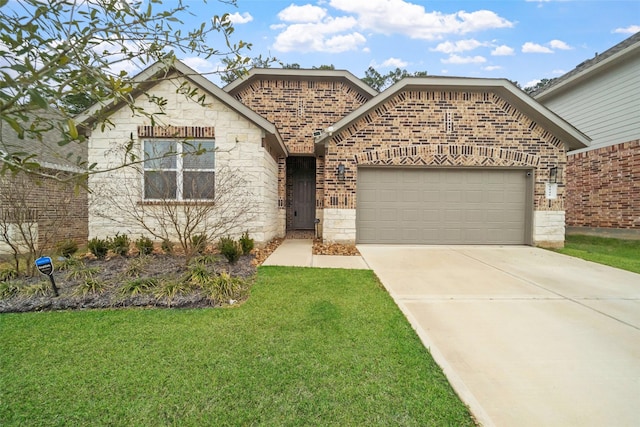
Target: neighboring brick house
428, 161
54, 207
601, 97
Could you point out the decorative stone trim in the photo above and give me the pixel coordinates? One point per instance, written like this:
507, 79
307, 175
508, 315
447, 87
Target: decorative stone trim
176, 132
447, 155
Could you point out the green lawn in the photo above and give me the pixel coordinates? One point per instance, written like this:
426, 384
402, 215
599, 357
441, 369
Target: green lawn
310, 347
624, 254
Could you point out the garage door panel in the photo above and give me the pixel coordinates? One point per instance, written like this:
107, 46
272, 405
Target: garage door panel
441, 206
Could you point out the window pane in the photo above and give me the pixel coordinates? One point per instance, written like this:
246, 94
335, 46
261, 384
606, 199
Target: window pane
198, 185
156, 155
199, 161
160, 185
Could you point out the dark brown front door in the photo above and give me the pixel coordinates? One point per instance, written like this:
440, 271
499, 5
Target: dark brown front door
304, 195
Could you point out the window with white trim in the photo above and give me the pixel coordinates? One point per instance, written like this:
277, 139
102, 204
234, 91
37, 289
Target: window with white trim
176, 170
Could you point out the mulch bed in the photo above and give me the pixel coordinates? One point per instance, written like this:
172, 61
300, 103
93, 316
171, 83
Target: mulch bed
116, 270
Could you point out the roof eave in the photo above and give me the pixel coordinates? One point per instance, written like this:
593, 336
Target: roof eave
300, 73
587, 72
572, 137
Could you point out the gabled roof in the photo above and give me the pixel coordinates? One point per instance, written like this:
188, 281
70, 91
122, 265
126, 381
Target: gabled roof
301, 74
47, 151
150, 77
550, 121
586, 69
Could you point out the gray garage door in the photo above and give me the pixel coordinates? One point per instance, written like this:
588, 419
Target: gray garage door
442, 206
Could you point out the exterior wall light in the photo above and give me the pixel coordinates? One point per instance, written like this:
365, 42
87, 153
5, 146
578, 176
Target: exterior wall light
553, 174
340, 171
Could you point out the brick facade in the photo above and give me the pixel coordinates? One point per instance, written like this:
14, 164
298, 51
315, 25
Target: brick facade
426, 128
603, 187
298, 108
59, 209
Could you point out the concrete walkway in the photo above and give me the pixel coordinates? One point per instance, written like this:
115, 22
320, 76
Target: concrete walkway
298, 253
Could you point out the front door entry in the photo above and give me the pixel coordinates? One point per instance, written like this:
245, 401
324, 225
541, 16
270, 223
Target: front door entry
304, 198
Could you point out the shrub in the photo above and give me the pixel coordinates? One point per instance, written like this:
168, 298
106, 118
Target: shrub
170, 288
246, 243
38, 290
199, 243
67, 248
98, 247
224, 287
80, 272
137, 286
7, 274
144, 245
136, 266
8, 289
70, 264
120, 244
89, 286
198, 275
167, 246
230, 249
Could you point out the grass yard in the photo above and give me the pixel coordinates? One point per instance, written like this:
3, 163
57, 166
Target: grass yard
624, 254
310, 347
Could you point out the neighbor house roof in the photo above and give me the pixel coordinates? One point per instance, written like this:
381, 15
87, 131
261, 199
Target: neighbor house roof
550, 121
48, 150
586, 69
293, 74
149, 77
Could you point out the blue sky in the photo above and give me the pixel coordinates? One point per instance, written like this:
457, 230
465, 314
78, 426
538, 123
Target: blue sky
522, 40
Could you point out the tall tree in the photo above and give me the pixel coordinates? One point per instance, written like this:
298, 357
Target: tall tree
380, 82
63, 54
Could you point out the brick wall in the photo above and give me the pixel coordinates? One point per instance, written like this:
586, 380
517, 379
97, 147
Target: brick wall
298, 108
603, 187
60, 209
411, 129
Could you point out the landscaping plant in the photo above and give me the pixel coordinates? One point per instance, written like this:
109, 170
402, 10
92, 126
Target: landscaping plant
144, 245
98, 247
67, 248
230, 249
246, 243
120, 244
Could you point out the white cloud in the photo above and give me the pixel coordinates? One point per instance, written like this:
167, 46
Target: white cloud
503, 50
530, 47
631, 29
237, 19
532, 83
320, 37
456, 59
459, 46
302, 14
412, 20
390, 63
492, 68
559, 44
200, 65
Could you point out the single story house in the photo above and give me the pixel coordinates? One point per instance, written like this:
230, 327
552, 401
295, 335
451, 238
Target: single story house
601, 97
431, 160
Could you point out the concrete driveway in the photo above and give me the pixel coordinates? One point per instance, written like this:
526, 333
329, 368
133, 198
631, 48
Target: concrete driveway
527, 337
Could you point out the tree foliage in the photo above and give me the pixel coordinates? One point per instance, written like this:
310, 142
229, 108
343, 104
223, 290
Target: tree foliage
66, 54
380, 82
540, 85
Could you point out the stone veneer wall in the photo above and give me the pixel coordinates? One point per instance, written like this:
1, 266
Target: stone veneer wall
239, 148
411, 129
603, 187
